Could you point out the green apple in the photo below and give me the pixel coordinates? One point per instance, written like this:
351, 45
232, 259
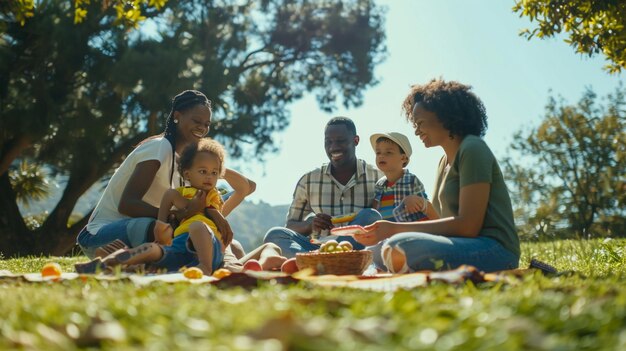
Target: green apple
345, 246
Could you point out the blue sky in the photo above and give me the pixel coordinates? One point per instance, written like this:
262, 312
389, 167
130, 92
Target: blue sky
474, 42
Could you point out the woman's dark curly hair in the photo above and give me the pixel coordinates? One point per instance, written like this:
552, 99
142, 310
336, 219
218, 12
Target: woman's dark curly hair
459, 110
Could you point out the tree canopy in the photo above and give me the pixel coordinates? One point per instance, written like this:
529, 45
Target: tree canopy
76, 97
593, 26
569, 173
128, 12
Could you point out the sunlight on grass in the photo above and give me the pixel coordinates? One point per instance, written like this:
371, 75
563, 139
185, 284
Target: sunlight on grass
34, 264
571, 312
595, 258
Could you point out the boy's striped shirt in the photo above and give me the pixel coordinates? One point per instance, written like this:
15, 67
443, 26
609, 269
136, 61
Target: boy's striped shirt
390, 196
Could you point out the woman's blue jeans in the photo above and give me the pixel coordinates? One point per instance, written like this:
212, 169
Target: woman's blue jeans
435, 252
132, 231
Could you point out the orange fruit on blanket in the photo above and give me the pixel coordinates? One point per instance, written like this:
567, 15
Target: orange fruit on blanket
221, 273
289, 266
51, 269
193, 273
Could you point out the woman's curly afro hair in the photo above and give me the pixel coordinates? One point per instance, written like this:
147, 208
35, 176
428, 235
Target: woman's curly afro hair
459, 110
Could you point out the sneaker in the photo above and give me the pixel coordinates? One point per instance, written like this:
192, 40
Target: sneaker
91, 267
106, 250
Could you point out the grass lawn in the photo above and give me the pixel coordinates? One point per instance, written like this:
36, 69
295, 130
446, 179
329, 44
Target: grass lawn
581, 311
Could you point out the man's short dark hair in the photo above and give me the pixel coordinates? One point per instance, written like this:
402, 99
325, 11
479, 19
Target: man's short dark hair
340, 120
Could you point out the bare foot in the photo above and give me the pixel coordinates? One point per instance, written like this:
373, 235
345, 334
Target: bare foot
272, 263
163, 233
252, 265
289, 266
237, 249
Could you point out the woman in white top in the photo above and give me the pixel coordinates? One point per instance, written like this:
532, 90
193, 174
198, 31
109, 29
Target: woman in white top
128, 207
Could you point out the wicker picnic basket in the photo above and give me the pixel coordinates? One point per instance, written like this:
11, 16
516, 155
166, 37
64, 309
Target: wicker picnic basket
339, 263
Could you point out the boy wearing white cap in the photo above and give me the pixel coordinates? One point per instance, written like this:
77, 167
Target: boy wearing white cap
400, 195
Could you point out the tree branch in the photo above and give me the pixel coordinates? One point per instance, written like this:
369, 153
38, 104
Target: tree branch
269, 62
250, 54
11, 150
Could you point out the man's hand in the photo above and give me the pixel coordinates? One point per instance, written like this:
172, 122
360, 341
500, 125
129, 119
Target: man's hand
303, 227
322, 221
221, 223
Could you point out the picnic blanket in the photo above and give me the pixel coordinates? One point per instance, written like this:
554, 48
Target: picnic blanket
251, 279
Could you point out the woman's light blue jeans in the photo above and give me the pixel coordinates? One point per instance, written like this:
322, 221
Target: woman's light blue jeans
291, 242
132, 231
435, 252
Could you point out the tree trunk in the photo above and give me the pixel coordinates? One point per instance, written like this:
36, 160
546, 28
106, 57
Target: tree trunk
65, 240
16, 237
18, 240
11, 150
57, 238
53, 237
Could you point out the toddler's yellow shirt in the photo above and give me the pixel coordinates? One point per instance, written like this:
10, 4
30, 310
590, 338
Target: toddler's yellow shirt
213, 199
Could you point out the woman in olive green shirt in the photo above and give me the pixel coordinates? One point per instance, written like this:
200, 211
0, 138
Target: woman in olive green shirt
476, 224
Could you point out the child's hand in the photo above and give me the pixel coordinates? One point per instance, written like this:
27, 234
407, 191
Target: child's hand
414, 203
173, 220
222, 225
196, 204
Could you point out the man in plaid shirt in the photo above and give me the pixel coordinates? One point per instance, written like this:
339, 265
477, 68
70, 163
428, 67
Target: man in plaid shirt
343, 186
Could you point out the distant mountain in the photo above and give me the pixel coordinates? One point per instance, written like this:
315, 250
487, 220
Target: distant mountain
251, 221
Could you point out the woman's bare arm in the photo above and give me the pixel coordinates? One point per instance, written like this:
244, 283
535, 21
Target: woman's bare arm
473, 200
171, 198
131, 202
430, 211
472, 208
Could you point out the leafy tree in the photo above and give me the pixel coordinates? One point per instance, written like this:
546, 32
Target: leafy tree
29, 182
76, 98
594, 26
570, 176
129, 12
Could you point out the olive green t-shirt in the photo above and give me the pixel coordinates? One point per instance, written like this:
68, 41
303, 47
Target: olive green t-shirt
475, 163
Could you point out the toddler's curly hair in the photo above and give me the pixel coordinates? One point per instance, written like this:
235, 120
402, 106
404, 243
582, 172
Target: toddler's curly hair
204, 145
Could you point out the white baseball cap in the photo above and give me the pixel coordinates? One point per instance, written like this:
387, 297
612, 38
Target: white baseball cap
397, 138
